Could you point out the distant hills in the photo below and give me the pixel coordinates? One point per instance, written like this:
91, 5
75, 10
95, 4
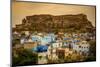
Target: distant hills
51, 23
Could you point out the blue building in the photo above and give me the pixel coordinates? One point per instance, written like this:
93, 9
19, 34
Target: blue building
40, 48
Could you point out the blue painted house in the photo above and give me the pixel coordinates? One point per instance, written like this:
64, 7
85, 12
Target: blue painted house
40, 48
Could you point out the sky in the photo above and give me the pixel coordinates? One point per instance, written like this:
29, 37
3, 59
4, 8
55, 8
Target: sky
22, 9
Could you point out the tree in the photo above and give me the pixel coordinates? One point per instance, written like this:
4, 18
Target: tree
92, 47
92, 55
24, 57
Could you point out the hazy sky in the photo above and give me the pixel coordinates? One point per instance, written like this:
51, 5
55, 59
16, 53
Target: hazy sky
22, 9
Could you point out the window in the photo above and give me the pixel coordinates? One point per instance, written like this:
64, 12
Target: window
79, 46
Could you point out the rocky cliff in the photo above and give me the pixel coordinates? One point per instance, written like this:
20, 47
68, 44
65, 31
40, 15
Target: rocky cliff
50, 23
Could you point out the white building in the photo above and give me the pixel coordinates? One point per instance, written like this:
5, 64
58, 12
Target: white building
22, 40
42, 58
82, 47
52, 53
57, 44
26, 32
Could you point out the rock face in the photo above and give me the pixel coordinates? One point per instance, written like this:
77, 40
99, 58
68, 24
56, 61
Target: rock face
50, 23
